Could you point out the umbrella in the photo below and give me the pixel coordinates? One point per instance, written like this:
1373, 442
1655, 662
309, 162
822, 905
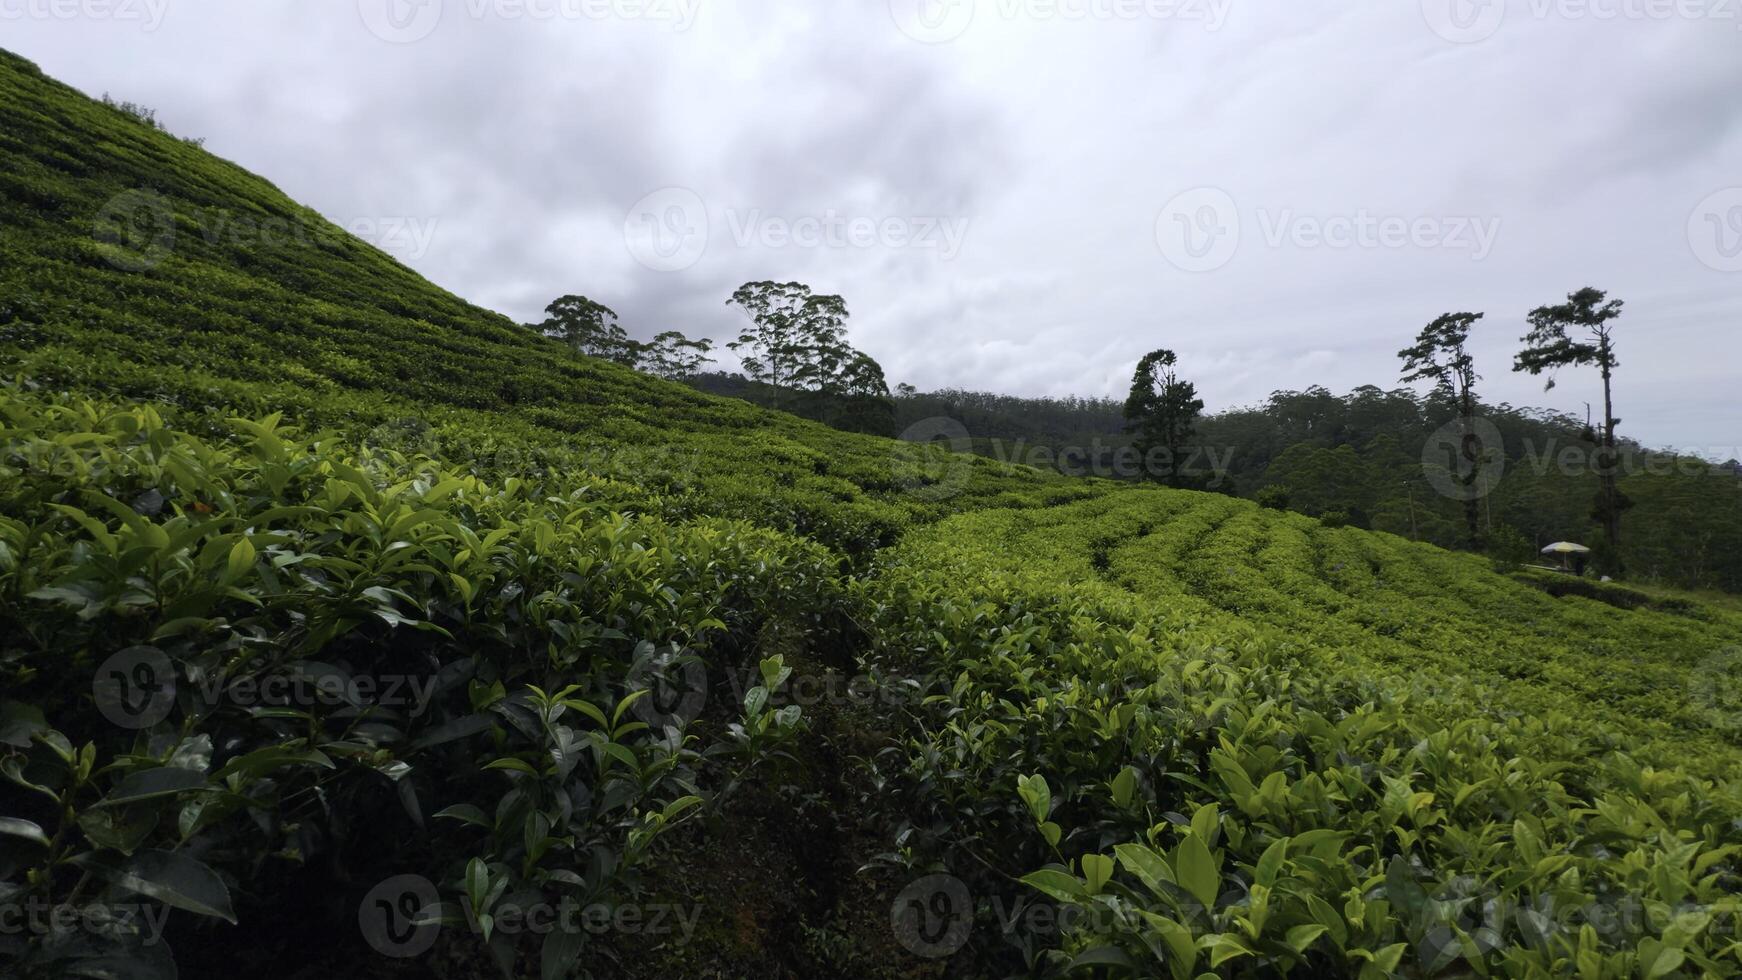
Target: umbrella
1566, 548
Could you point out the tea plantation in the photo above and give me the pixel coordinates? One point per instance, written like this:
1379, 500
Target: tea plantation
346, 627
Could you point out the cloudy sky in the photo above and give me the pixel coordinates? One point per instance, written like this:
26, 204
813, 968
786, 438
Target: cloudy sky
1013, 195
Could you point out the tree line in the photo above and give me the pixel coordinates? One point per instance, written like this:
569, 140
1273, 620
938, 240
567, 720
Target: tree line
1439, 465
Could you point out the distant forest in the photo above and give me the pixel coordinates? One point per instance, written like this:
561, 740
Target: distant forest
1358, 459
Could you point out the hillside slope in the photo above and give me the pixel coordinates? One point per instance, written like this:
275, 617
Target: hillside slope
138, 264
864, 709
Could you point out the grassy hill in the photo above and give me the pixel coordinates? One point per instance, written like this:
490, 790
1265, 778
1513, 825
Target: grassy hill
368, 631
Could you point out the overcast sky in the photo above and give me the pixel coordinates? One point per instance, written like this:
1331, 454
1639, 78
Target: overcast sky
1013, 195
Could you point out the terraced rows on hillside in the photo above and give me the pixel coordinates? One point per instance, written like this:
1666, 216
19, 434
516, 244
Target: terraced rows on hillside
1428, 618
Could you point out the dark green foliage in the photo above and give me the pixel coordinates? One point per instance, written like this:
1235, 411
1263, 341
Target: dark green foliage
1440, 355
1246, 744
797, 340
1549, 347
590, 328
673, 356
456, 658
1162, 410
1509, 549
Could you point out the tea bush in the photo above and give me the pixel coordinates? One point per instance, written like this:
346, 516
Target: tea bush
267, 648
1227, 769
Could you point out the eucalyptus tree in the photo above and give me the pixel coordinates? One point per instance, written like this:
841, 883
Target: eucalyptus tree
1579, 333
673, 355
590, 328
794, 338
1441, 355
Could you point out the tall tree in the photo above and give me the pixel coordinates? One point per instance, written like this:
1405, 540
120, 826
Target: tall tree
672, 355
1549, 347
1440, 355
1162, 410
794, 338
859, 376
590, 328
